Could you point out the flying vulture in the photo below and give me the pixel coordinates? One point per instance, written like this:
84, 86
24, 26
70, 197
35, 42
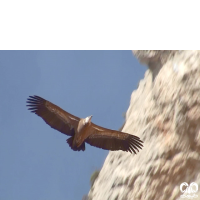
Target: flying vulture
82, 130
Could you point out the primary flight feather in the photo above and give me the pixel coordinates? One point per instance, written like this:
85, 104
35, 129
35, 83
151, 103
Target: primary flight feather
82, 130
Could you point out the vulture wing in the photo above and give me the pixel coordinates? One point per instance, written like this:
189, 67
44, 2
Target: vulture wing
112, 140
53, 115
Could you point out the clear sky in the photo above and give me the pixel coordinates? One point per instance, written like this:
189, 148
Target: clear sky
36, 163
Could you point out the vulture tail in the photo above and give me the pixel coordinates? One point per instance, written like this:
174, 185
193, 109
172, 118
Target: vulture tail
70, 141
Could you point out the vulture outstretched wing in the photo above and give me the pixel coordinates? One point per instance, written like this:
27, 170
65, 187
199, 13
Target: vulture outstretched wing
53, 115
113, 140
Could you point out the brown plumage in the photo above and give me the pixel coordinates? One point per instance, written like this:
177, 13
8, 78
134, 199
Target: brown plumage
82, 130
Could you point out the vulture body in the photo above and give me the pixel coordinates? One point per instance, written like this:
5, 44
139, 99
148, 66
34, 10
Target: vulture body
82, 130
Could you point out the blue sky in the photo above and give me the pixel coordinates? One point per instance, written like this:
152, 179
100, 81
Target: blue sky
35, 160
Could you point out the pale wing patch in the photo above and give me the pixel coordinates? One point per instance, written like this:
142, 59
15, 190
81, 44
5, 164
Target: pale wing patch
73, 118
99, 129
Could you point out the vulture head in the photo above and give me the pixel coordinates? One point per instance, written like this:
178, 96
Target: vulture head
87, 120
84, 123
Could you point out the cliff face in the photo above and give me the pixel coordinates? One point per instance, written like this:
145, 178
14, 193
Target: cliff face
165, 113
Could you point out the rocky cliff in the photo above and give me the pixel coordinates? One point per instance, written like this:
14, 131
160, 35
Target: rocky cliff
165, 113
